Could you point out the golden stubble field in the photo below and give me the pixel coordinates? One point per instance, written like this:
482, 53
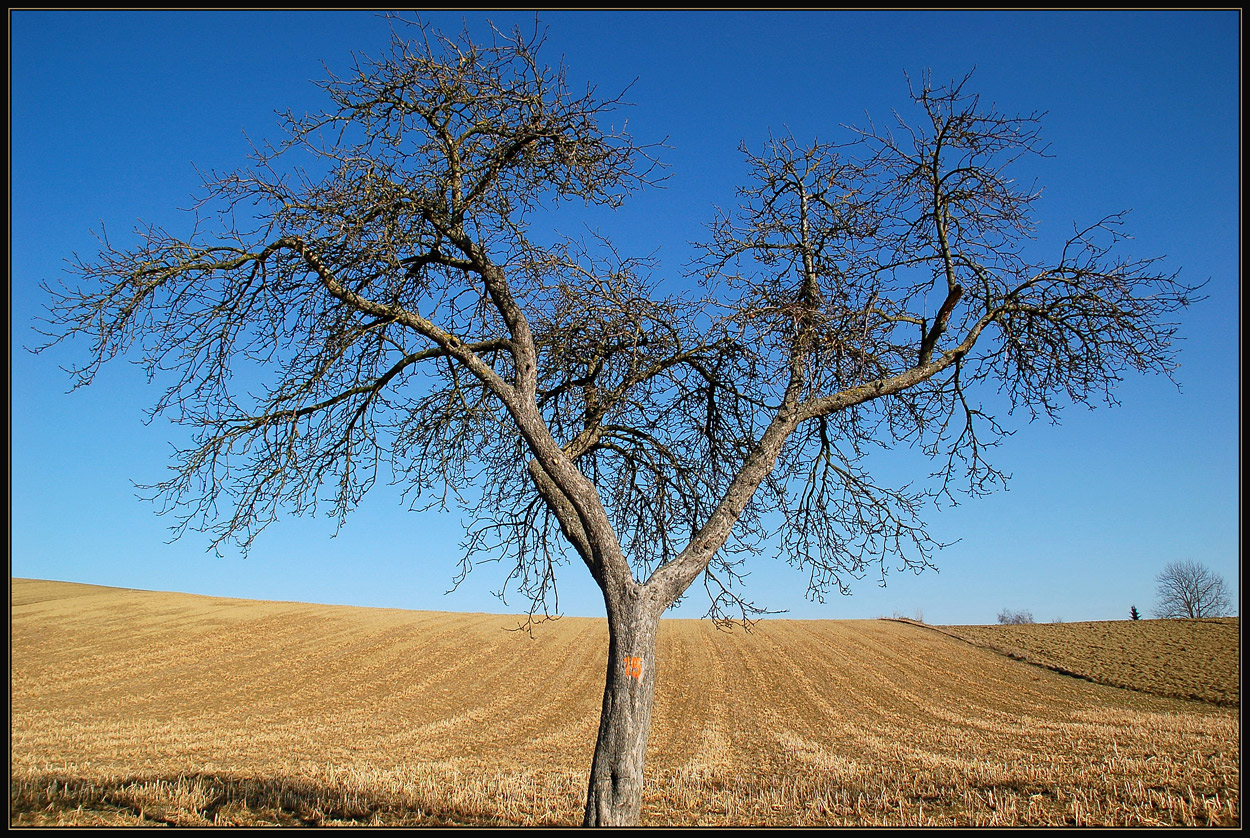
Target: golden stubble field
1194, 659
133, 707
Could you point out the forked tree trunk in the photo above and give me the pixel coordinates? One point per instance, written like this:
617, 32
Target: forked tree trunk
615, 794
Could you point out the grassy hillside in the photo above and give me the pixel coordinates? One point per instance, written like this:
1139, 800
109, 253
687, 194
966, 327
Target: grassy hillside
137, 707
1193, 659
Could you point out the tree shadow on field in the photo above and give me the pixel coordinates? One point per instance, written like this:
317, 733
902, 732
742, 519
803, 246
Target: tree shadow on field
217, 800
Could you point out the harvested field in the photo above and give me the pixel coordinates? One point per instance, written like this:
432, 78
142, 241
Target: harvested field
134, 707
1194, 659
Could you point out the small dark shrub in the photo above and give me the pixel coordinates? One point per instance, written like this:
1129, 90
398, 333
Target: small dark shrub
1015, 618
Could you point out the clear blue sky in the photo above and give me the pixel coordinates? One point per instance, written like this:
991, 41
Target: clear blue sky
111, 113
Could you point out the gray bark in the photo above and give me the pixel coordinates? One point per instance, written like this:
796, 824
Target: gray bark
614, 796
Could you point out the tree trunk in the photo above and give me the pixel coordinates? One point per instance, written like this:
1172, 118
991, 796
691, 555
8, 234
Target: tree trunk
615, 794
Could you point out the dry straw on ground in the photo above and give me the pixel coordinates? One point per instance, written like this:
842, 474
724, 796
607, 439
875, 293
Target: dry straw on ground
1194, 659
136, 707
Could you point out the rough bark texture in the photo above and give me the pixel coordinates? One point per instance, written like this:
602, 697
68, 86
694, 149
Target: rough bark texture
614, 796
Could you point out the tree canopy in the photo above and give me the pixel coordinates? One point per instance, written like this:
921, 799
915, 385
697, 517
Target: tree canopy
376, 272
1190, 589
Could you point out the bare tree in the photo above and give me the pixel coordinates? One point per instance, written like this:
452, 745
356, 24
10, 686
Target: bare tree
374, 281
1190, 589
1015, 618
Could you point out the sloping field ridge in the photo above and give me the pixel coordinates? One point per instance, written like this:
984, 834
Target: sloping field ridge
1191, 659
134, 707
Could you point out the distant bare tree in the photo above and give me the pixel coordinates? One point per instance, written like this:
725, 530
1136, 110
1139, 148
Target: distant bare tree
1133, 613
367, 299
1015, 618
1190, 589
